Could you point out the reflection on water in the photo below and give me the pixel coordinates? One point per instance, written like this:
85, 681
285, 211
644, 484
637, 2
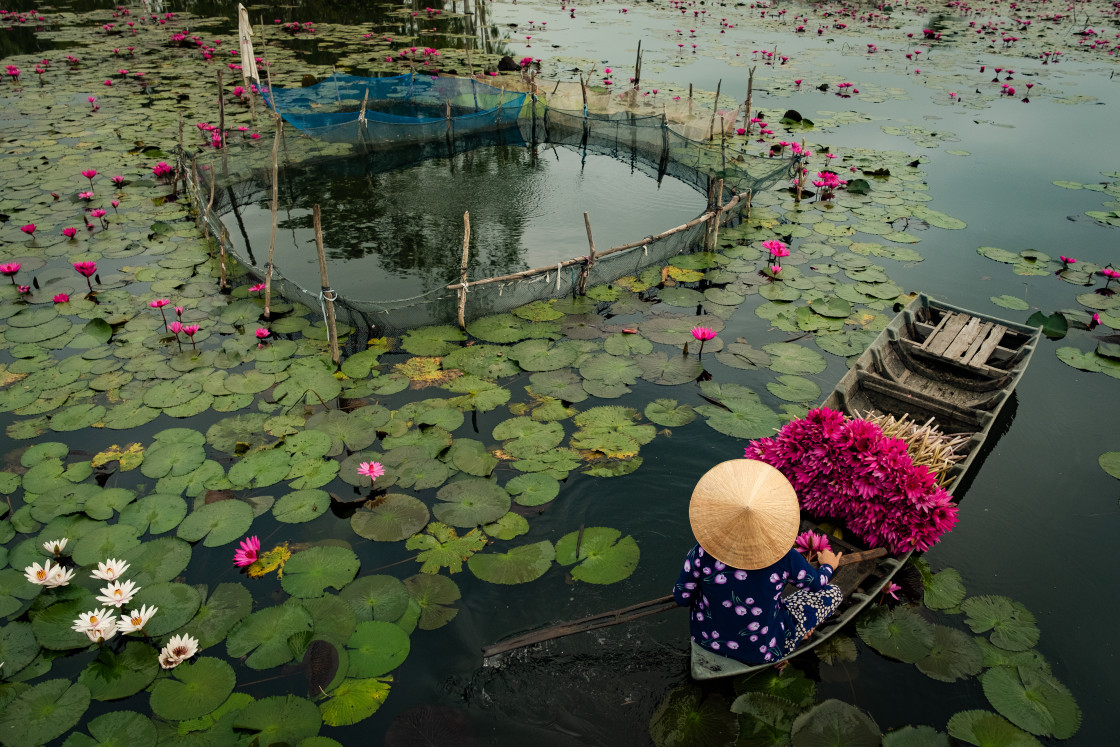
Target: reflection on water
393, 228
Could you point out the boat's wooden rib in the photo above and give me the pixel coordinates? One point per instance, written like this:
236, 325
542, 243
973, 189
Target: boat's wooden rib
933, 360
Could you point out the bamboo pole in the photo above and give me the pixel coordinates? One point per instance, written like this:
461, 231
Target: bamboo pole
326, 294
638, 67
718, 216
180, 173
715, 107
209, 204
750, 94
221, 111
690, 99
194, 183
275, 218
222, 239
463, 270
599, 255
590, 257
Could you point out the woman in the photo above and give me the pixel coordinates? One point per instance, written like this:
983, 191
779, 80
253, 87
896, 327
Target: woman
745, 517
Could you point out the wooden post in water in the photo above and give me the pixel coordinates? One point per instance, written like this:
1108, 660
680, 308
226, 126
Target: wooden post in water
326, 294
180, 172
590, 257
750, 93
463, 270
715, 107
718, 216
638, 67
222, 239
690, 99
194, 181
279, 123
221, 110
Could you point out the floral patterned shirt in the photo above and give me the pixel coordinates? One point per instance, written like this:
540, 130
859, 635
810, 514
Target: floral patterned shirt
739, 613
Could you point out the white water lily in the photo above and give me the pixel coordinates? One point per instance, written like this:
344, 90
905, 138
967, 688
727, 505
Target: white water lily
55, 547
110, 570
39, 574
59, 577
103, 633
93, 619
118, 593
178, 649
137, 620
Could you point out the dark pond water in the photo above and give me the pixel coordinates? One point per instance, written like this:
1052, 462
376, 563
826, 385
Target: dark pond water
1039, 519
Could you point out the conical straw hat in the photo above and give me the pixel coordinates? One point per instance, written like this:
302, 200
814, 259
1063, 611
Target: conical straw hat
744, 513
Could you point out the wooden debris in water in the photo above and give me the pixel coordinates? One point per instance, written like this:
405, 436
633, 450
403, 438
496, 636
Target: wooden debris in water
926, 443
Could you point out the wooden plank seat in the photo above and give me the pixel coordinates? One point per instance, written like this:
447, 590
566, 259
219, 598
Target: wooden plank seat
964, 339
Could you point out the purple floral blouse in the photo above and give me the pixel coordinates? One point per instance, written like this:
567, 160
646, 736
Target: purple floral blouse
739, 613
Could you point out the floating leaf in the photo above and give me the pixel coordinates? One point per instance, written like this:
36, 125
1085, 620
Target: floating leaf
259, 469
376, 648
119, 727
685, 718
565, 385
195, 688
667, 370
1010, 302
310, 572
602, 558
794, 389
376, 597
301, 506
915, 736
741, 355
542, 355
533, 489
955, 655
791, 358
470, 502
944, 590
177, 604
1032, 700
18, 646
834, 722
668, 413
471, 457
218, 523
525, 437
129, 458
506, 528
520, 565
280, 718
390, 518
677, 330
264, 635
42, 713
105, 542
1012, 625
353, 431
898, 633
354, 700
438, 339
434, 595
441, 546
986, 729
157, 560
228, 604
1110, 463
270, 560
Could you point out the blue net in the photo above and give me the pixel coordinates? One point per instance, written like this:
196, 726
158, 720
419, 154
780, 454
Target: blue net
403, 108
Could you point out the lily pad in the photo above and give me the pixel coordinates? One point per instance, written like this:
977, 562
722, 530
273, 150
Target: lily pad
354, 700
1032, 700
535, 489
565, 385
834, 722
177, 604
259, 469
508, 527
794, 389
434, 340
687, 718
194, 689
227, 605
217, 524
263, 635
472, 457
310, 572
157, 561
280, 719
470, 502
944, 590
391, 518
434, 594
1012, 625
955, 655
119, 727
601, 556
986, 729
376, 648
301, 506
1010, 302
42, 713
668, 413
1110, 463
667, 370
376, 597
898, 633
518, 566
791, 358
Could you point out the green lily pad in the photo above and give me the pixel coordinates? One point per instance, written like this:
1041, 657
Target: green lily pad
742, 415
42, 713
113, 676
301, 506
158, 560
955, 655
433, 594
1032, 700
376, 648
668, 413
471, 457
686, 717
264, 635
741, 355
280, 719
310, 572
602, 558
898, 633
795, 389
1110, 463
194, 689
217, 524
470, 502
791, 358
119, 727
504, 328
538, 311
944, 590
1012, 625
177, 604
834, 722
353, 700
831, 306
525, 437
506, 528
175, 460
259, 469
1010, 302
677, 330
376, 597
627, 344
353, 431
565, 385
487, 362
986, 729
392, 517
105, 542
667, 370
534, 489
611, 370
227, 605
435, 340
520, 565
18, 646
542, 355
915, 736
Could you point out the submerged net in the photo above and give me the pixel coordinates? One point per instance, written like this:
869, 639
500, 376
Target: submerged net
345, 117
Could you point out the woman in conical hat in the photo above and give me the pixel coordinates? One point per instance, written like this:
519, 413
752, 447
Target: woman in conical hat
745, 516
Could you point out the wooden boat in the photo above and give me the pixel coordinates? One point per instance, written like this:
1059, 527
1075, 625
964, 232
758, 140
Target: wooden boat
935, 361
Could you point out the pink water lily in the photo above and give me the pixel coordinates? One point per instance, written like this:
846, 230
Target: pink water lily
88, 270
159, 303
10, 269
372, 470
256, 288
262, 332
190, 330
811, 543
248, 553
89, 174
891, 591
29, 229
70, 232
62, 298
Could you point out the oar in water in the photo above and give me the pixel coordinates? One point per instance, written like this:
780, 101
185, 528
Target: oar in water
623, 615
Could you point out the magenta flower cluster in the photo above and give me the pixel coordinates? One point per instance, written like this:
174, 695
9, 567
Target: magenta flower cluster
845, 468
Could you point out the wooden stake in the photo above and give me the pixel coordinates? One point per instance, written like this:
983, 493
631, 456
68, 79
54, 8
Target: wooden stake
463, 270
221, 110
222, 239
690, 99
279, 123
718, 216
194, 183
327, 295
590, 257
715, 106
750, 93
638, 66
180, 173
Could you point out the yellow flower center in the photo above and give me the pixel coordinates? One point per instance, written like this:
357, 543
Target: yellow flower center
137, 621
40, 575
93, 621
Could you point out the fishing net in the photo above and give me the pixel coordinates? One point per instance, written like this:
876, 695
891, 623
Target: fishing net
407, 119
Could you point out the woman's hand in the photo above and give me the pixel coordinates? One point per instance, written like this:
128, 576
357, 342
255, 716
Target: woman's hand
830, 558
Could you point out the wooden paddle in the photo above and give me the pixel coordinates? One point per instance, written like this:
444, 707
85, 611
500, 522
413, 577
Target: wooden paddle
624, 615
